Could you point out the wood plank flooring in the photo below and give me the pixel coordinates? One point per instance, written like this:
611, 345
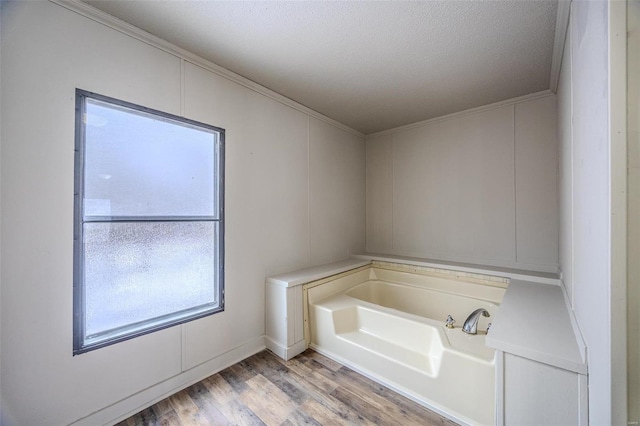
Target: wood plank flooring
309, 389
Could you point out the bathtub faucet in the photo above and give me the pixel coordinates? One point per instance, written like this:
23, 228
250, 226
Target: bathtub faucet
471, 323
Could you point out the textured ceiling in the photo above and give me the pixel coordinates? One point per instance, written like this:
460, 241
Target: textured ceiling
370, 65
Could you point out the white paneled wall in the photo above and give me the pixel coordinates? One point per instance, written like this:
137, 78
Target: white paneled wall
453, 188
586, 197
565, 176
295, 188
591, 197
536, 166
633, 212
478, 187
336, 192
380, 193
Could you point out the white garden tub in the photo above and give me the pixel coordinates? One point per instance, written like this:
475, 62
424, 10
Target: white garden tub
389, 325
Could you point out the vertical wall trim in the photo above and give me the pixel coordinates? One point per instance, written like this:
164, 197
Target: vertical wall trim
1, 180
366, 199
633, 219
393, 184
182, 87
618, 219
183, 348
515, 185
583, 403
572, 160
183, 337
559, 194
308, 189
562, 23
499, 366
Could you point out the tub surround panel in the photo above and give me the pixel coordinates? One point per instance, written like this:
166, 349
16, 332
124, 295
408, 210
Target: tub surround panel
475, 188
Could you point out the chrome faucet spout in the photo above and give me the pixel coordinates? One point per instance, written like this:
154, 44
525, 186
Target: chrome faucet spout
471, 323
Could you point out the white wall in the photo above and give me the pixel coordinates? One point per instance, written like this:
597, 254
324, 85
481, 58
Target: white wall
585, 193
478, 187
295, 188
1, 6
633, 132
565, 139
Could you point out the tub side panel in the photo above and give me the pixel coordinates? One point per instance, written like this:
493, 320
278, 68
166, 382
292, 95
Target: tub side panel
412, 357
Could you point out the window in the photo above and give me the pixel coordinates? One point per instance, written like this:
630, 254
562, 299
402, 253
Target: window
149, 221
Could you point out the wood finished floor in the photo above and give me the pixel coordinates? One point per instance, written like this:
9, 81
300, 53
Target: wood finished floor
309, 389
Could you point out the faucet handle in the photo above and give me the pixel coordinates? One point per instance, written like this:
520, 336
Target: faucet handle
449, 321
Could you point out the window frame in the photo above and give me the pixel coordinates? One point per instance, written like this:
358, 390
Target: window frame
137, 329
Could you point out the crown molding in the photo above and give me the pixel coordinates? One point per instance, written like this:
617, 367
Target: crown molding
116, 24
451, 116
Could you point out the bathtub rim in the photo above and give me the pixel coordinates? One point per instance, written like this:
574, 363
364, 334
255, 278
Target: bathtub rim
453, 275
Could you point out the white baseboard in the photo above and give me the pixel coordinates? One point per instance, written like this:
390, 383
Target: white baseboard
287, 352
147, 397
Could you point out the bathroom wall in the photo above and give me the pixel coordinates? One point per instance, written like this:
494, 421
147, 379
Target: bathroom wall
585, 194
295, 197
0, 216
565, 139
633, 216
479, 186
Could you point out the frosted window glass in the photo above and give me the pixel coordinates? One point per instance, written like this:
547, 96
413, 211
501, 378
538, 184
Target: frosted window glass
139, 271
138, 164
148, 221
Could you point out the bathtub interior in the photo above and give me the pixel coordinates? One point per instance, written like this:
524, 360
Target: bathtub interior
431, 299
389, 325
